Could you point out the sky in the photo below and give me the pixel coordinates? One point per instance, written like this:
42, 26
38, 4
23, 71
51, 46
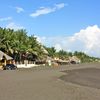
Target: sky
71, 25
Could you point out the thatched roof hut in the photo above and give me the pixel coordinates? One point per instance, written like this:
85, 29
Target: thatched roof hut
74, 60
4, 59
3, 55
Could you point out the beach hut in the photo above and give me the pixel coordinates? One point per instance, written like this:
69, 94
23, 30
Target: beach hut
4, 59
74, 60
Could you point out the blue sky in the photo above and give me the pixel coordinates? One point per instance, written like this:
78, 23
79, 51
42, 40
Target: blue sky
56, 22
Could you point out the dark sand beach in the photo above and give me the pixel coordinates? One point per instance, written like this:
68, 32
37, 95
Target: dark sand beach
70, 82
85, 77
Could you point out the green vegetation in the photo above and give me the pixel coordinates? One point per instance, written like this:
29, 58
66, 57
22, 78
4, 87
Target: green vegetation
84, 57
16, 43
64, 55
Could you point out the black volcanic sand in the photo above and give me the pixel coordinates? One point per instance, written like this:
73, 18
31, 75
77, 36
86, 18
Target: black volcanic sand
85, 77
44, 83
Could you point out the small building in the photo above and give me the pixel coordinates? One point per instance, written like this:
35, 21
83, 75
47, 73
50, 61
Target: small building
4, 59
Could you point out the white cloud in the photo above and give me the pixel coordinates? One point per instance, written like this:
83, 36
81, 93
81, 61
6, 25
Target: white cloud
14, 26
87, 40
40, 39
47, 10
6, 19
58, 47
19, 9
59, 6
42, 11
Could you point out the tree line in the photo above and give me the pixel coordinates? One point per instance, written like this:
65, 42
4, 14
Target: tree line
64, 55
18, 42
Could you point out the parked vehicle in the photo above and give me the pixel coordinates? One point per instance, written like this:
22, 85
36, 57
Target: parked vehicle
10, 67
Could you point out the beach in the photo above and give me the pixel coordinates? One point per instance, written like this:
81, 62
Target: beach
68, 82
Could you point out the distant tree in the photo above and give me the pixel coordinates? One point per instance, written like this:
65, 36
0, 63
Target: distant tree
51, 51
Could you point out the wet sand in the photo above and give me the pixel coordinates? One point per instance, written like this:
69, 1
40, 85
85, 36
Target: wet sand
48, 84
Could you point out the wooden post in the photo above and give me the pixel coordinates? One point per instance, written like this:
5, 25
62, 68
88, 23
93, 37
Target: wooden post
5, 62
